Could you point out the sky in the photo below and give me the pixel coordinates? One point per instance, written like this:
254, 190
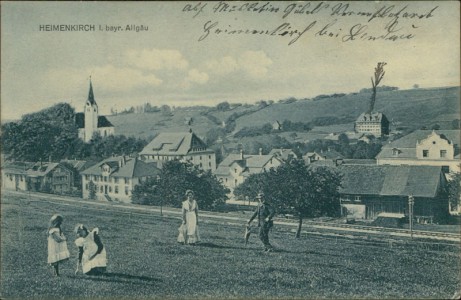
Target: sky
204, 53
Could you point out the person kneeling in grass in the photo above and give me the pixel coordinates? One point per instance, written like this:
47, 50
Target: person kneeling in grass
91, 254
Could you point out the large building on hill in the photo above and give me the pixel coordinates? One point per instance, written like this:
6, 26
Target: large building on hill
235, 168
424, 147
90, 122
184, 146
115, 178
374, 123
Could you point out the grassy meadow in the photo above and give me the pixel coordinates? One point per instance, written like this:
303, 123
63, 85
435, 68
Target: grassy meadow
145, 261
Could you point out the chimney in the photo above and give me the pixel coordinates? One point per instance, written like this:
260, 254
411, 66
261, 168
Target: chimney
241, 154
260, 151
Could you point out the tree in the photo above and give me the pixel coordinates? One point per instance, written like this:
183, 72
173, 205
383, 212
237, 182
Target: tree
454, 190
146, 193
379, 74
177, 177
92, 190
166, 110
223, 106
308, 192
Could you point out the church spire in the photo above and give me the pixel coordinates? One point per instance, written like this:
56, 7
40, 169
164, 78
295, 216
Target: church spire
90, 94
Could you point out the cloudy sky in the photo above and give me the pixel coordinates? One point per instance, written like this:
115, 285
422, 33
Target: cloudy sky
205, 53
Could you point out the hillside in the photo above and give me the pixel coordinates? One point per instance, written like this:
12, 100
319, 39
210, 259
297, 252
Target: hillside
407, 109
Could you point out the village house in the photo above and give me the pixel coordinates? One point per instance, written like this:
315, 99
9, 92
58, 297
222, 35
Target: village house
235, 168
284, 154
115, 178
424, 148
14, 175
374, 123
90, 122
184, 146
329, 155
276, 125
370, 190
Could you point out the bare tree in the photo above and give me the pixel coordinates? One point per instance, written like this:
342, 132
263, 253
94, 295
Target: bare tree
379, 74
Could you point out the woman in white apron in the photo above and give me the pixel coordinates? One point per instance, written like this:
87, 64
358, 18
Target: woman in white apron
92, 253
188, 232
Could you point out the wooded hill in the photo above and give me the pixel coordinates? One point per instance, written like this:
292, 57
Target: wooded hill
406, 109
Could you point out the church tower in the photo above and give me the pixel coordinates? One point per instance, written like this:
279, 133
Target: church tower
91, 115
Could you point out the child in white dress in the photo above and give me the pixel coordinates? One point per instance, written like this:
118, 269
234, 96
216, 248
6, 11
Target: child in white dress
57, 243
188, 232
92, 253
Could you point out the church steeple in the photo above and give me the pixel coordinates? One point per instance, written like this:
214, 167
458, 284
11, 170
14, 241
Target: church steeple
90, 94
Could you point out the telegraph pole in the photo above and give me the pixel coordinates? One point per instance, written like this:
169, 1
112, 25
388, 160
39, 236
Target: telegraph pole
411, 203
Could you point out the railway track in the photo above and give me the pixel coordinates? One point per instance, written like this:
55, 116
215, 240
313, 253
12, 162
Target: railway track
234, 220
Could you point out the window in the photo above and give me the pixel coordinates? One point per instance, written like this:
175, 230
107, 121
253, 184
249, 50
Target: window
443, 153
126, 190
209, 156
209, 164
395, 152
357, 198
235, 170
116, 179
86, 186
105, 178
102, 189
110, 189
425, 153
86, 177
116, 189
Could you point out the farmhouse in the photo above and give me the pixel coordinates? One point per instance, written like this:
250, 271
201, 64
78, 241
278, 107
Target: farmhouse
14, 175
374, 123
90, 122
283, 154
368, 190
330, 155
115, 178
424, 148
185, 146
235, 168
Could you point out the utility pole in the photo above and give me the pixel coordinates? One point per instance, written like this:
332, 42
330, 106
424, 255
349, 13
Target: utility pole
411, 203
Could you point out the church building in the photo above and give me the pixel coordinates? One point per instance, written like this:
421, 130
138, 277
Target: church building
90, 122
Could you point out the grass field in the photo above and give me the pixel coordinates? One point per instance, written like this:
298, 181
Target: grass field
144, 261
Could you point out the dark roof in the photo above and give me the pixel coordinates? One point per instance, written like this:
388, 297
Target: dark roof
131, 167
420, 181
371, 117
175, 143
91, 95
102, 121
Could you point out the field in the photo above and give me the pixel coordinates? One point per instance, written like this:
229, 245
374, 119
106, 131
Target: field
145, 261
410, 109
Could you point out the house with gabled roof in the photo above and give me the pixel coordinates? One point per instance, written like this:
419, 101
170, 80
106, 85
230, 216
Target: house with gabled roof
424, 148
284, 154
51, 177
14, 175
184, 146
369, 190
329, 155
235, 168
90, 122
114, 178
